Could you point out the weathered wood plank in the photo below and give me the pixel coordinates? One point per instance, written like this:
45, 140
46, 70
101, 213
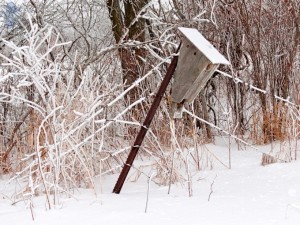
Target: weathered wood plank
191, 64
203, 45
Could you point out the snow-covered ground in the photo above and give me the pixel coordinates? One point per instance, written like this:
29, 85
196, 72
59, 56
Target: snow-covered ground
246, 194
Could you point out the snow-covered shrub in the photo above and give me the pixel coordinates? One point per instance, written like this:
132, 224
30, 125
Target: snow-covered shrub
56, 120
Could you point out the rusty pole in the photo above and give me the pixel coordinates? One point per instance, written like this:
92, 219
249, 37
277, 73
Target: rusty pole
140, 137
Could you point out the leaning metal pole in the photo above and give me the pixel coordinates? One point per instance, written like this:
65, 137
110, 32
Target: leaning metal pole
140, 137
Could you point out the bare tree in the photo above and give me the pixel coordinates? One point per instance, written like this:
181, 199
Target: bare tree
129, 26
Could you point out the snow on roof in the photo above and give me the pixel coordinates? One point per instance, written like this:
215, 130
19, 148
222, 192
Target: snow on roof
203, 45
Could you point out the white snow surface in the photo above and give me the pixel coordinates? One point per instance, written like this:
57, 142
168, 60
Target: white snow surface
247, 194
203, 45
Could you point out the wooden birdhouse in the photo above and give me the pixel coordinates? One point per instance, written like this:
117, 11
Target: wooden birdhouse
198, 59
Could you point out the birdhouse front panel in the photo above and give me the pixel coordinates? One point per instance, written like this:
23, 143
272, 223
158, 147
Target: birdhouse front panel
200, 82
191, 66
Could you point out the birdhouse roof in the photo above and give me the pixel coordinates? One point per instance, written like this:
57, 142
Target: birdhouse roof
203, 45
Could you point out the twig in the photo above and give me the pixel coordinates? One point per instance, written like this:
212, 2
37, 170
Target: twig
189, 175
265, 92
293, 206
31, 210
171, 173
148, 190
211, 188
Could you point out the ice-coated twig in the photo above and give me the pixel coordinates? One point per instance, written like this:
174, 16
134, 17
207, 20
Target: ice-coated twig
171, 172
148, 191
116, 153
211, 187
265, 92
291, 205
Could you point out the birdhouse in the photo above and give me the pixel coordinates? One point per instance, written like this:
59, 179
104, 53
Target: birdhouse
198, 59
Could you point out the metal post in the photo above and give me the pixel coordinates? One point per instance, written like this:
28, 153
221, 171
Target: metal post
140, 137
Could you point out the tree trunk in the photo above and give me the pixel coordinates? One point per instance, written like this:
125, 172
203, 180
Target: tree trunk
129, 27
